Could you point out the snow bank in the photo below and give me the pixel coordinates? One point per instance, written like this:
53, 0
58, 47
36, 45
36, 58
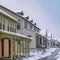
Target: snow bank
51, 49
58, 58
59, 53
29, 58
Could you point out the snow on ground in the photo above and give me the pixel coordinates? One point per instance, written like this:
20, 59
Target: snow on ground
38, 54
58, 56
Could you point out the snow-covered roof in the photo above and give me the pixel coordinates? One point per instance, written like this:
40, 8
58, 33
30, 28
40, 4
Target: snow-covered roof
41, 35
15, 34
49, 38
1, 11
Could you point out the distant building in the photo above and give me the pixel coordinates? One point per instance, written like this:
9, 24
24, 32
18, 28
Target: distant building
41, 41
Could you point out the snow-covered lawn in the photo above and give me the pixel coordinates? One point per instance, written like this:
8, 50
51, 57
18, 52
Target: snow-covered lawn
38, 54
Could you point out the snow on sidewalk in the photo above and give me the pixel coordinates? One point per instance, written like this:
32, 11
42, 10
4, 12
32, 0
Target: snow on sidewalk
38, 54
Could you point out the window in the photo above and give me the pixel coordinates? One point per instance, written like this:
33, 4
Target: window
25, 24
35, 28
29, 35
38, 30
30, 26
0, 25
40, 40
12, 26
8, 25
18, 26
51, 43
48, 43
0, 22
3, 23
15, 26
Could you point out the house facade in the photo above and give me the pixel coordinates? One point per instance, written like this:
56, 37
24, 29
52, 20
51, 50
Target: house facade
19, 35
25, 26
12, 43
29, 29
41, 41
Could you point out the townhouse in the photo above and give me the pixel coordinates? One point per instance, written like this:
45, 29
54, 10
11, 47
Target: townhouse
31, 30
26, 27
51, 43
41, 41
12, 43
19, 35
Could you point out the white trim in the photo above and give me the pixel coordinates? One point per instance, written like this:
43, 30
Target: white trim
8, 15
15, 34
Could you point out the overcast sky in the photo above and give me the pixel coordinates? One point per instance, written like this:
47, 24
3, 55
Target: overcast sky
46, 13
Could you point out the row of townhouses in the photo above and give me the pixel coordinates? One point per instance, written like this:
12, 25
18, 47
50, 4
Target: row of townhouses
19, 35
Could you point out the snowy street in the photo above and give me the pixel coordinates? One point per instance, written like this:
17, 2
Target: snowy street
58, 56
54, 55
51, 54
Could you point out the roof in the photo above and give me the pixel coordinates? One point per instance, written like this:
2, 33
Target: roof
15, 34
1, 11
41, 35
28, 20
19, 16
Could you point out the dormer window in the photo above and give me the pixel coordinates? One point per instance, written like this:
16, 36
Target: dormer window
27, 17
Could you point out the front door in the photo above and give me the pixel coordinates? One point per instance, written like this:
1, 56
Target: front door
6, 47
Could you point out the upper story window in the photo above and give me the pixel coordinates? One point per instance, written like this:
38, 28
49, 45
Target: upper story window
38, 30
7, 23
12, 26
3, 23
29, 35
8, 26
0, 22
30, 26
34, 28
18, 26
25, 24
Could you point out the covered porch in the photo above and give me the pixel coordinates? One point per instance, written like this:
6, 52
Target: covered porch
13, 45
